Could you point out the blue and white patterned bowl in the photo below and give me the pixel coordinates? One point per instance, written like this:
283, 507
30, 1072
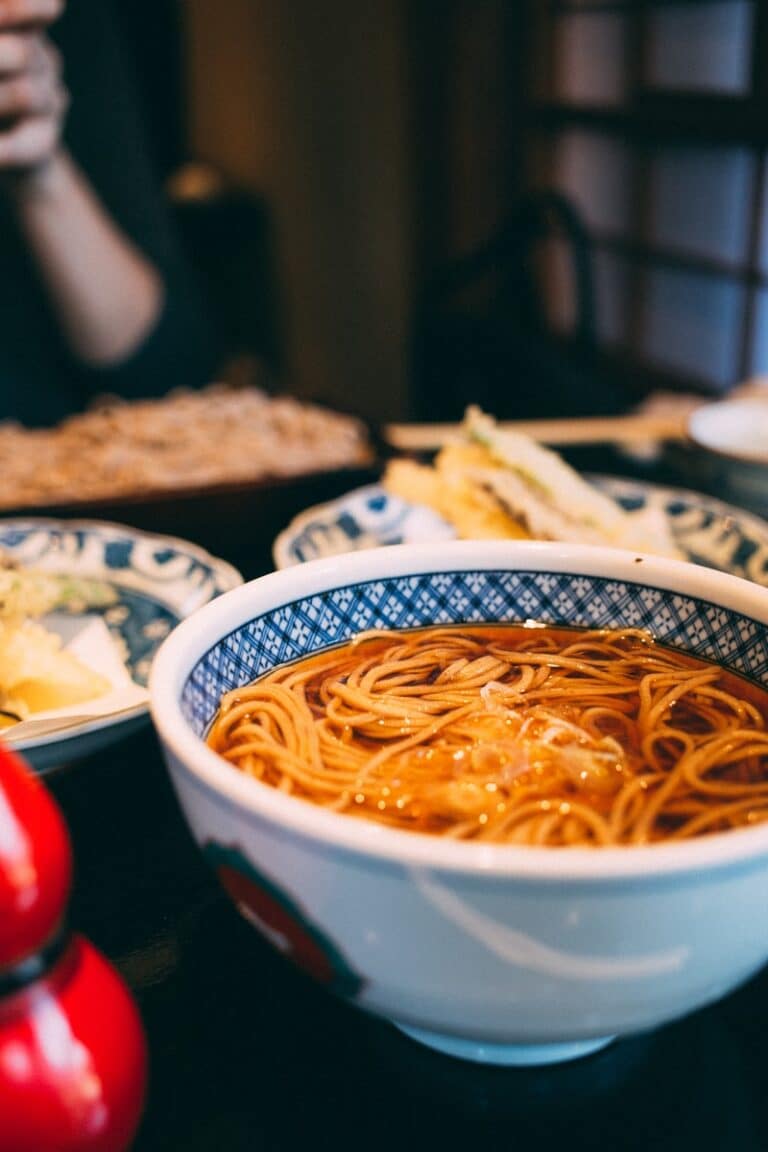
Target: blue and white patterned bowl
158, 581
492, 952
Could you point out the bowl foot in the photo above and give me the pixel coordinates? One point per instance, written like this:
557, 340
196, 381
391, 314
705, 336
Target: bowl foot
511, 1055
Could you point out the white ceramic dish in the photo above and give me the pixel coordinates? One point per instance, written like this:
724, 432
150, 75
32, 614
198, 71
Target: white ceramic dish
738, 428
705, 530
731, 439
159, 580
490, 952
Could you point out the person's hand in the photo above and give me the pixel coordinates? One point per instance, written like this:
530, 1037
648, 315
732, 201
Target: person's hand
33, 99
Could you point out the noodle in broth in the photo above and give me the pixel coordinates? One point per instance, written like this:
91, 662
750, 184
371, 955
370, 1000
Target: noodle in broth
511, 734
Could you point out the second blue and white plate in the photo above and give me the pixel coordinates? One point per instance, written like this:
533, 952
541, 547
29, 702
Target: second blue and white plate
705, 530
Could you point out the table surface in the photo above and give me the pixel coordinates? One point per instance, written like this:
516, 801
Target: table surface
247, 1053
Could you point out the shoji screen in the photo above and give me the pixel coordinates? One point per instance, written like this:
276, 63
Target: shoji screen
653, 118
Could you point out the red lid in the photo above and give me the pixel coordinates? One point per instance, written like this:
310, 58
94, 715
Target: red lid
35, 862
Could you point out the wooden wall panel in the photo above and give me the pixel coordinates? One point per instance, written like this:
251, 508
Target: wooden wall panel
380, 133
304, 102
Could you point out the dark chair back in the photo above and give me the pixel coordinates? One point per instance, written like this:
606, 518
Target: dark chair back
481, 333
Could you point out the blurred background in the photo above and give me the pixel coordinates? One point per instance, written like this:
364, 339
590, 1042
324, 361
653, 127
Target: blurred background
400, 207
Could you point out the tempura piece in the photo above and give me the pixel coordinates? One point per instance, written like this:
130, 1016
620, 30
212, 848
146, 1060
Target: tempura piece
475, 512
499, 484
554, 500
37, 673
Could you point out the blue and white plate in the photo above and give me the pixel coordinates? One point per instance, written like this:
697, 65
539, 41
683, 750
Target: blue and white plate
158, 580
706, 530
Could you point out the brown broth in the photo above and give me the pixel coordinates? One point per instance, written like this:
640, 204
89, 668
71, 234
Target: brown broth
565, 747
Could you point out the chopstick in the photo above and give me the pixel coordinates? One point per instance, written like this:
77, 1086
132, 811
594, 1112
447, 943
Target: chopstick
578, 430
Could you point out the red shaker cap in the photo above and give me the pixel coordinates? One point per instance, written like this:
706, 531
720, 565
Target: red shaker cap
35, 862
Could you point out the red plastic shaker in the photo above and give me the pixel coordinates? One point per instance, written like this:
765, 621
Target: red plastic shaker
72, 1048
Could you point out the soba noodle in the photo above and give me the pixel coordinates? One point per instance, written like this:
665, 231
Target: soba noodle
512, 734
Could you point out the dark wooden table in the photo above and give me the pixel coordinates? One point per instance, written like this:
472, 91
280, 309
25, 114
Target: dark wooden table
247, 1054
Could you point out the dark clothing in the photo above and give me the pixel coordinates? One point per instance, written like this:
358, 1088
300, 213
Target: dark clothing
40, 381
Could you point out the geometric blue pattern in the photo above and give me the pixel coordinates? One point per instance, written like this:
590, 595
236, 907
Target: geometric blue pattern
314, 622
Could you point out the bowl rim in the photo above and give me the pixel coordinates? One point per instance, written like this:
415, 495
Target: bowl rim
193, 637
701, 437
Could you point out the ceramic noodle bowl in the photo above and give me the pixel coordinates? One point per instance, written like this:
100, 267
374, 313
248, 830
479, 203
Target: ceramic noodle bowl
493, 952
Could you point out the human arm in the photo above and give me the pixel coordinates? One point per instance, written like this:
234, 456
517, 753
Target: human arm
105, 293
106, 136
